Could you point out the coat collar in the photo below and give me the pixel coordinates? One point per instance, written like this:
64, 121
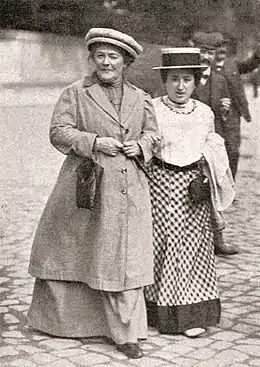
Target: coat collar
130, 97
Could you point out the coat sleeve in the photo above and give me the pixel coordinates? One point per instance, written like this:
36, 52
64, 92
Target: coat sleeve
149, 131
64, 133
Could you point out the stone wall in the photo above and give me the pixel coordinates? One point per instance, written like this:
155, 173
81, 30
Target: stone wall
31, 58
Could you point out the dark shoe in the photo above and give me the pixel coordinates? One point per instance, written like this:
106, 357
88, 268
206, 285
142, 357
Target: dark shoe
220, 248
131, 350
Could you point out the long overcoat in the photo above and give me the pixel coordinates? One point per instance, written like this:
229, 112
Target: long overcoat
109, 248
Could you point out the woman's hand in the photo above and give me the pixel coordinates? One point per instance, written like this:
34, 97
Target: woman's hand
131, 148
109, 146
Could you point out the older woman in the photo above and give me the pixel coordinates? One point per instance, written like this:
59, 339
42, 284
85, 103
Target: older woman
91, 265
184, 297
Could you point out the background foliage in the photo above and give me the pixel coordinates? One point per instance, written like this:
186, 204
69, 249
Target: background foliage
149, 20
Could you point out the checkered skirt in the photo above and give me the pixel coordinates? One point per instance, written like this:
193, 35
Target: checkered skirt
184, 264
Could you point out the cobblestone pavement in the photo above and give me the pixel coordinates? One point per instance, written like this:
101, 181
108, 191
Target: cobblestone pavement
29, 168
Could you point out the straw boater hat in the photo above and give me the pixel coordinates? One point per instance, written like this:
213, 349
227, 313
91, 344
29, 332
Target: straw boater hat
119, 39
181, 58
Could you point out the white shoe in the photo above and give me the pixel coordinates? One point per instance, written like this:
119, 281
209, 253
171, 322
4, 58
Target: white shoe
195, 332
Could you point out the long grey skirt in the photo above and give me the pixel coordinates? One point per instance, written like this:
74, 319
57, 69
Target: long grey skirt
73, 309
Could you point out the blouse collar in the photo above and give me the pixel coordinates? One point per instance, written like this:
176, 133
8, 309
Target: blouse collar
184, 109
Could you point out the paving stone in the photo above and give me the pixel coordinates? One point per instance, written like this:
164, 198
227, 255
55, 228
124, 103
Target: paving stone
212, 363
185, 362
12, 327
19, 307
3, 280
202, 353
159, 341
60, 343
147, 362
13, 334
178, 349
101, 348
22, 363
116, 355
220, 345
165, 355
252, 341
89, 359
61, 363
43, 358
3, 309
115, 364
12, 341
8, 351
29, 349
253, 350
70, 352
231, 356
255, 362
9, 302
10, 319
241, 310
245, 328
196, 342
228, 336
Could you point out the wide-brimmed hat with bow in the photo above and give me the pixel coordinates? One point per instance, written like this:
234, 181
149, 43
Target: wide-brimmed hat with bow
116, 38
180, 58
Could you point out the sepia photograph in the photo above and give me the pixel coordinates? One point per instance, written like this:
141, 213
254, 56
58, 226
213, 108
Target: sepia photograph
130, 183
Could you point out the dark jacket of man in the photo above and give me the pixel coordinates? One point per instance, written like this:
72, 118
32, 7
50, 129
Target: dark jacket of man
232, 71
211, 94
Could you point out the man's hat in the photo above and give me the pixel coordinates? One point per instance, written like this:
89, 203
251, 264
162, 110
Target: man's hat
119, 39
181, 58
210, 41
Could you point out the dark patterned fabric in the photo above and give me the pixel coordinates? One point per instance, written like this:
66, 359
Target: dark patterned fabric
184, 264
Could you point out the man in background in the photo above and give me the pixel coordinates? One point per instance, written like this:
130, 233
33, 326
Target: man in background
231, 70
213, 91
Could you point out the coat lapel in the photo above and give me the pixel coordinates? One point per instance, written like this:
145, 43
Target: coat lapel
130, 97
97, 94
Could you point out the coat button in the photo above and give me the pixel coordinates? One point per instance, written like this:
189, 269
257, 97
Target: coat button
124, 191
124, 170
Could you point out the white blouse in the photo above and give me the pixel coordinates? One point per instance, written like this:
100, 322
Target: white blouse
183, 130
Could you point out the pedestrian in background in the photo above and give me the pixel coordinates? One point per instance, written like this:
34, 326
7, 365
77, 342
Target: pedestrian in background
213, 90
184, 297
91, 265
231, 70
255, 81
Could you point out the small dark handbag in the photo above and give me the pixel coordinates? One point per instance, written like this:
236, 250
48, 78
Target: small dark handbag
89, 175
199, 189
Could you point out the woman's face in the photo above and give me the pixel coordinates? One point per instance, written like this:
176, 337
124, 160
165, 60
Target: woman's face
109, 63
180, 85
